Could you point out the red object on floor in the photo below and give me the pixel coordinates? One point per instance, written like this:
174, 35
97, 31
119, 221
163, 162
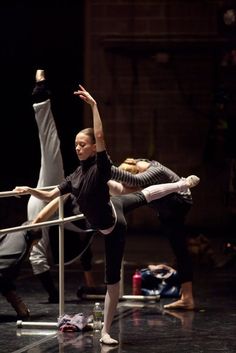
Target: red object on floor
137, 283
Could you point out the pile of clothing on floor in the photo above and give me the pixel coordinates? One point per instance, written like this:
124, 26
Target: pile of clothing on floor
161, 280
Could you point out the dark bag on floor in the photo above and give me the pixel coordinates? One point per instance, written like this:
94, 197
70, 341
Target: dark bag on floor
160, 280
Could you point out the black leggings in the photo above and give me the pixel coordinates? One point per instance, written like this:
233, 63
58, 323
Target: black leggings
115, 241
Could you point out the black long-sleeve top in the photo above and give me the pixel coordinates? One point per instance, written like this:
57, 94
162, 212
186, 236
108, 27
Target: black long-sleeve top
88, 183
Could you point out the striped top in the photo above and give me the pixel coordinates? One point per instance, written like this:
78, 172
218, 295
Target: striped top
155, 174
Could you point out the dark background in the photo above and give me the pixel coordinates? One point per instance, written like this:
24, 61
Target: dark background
157, 69
37, 35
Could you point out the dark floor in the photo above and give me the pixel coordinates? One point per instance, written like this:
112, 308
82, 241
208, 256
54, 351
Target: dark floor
139, 326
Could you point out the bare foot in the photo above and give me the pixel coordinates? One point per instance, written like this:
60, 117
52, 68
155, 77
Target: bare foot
180, 304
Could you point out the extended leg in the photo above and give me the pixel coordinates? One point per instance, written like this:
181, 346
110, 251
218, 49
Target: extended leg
51, 173
155, 192
51, 170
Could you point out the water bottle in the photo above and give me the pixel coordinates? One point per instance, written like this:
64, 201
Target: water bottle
137, 283
97, 317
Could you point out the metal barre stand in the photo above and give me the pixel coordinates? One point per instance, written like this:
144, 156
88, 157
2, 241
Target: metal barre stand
60, 222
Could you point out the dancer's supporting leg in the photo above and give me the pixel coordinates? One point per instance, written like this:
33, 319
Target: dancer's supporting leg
155, 192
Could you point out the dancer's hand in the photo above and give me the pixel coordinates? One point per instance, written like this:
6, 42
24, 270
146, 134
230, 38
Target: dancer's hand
85, 96
22, 190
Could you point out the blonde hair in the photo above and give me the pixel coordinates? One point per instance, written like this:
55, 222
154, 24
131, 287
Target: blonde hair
129, 165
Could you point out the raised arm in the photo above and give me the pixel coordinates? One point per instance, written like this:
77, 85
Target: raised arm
97, 122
